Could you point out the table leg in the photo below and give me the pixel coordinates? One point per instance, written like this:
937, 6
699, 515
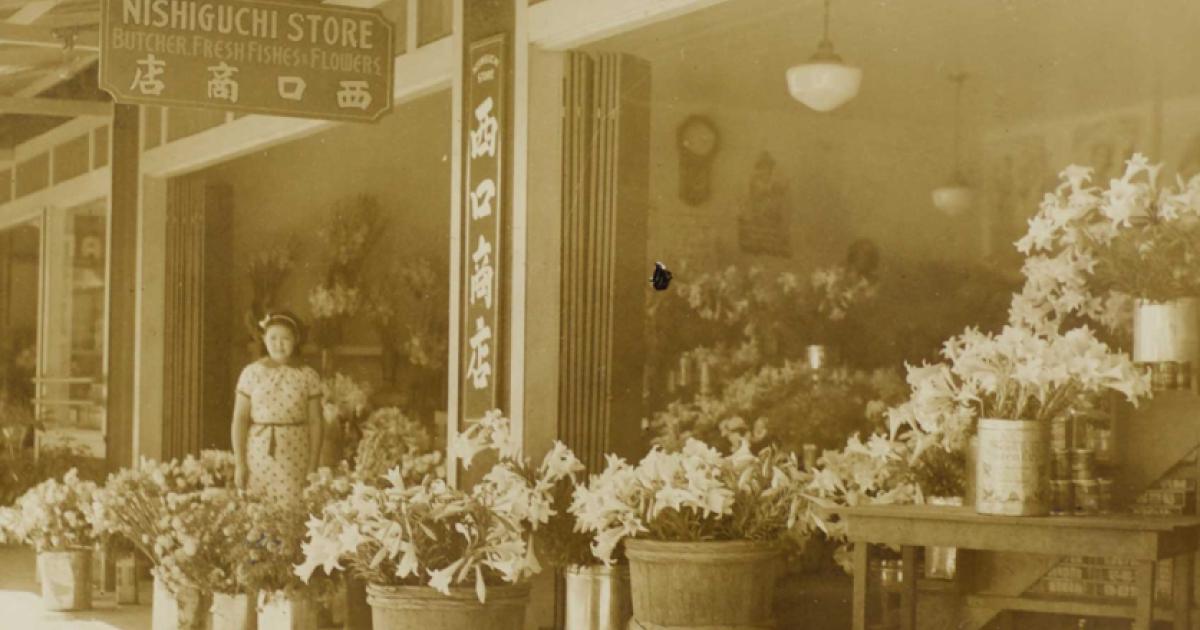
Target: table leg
908, 589
1144, 608
860, 585
1182, 567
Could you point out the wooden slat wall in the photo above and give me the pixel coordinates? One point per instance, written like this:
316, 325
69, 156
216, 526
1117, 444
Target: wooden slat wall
605, 201
184, 326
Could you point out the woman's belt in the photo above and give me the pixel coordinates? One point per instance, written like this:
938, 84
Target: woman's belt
271, 444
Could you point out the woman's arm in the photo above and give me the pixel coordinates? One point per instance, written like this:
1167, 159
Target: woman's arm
316, 429
239, 431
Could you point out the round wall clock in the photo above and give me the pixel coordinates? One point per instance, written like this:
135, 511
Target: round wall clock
698, 141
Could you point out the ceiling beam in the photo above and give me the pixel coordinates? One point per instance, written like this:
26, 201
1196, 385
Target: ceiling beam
51, 79
31, 11
53, 107
24, 35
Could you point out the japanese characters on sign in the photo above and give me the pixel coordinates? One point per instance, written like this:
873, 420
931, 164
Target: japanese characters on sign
311, 60
482, 227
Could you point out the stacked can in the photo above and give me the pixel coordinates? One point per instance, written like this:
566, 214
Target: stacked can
1168, 375
1061, 490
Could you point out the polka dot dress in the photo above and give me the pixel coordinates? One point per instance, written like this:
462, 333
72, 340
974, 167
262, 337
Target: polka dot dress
277, 447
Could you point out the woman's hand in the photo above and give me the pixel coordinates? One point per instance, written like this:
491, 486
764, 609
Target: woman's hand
241, 475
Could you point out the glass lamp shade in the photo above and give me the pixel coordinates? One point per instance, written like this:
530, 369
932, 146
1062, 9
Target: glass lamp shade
953, 198
823, 85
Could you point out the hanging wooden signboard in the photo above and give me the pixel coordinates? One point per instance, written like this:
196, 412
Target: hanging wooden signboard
309, 60
482, 212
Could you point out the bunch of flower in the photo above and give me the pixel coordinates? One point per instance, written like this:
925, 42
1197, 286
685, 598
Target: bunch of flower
337, 301
1089, 251
343, 398
353, 227
56, 514
142, 503
431, 534
197, 548
269, 268
838, 289
391, 440
264, 553
693, 495
785, 406
878, 471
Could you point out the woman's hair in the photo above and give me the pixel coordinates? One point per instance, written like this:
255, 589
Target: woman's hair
287, 319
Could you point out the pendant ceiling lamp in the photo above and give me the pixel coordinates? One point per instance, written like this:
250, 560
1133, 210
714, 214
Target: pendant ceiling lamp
824, 83
955, 196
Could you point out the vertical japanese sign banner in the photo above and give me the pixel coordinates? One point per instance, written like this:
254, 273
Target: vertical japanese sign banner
310, 60
482, 227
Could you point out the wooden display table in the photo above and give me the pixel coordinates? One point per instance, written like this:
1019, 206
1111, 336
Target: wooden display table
1143, 539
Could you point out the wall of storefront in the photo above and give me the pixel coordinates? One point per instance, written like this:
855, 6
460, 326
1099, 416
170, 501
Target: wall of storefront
289, 190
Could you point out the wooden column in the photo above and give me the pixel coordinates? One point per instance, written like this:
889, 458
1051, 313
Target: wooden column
604, 206
196, 306
123, 279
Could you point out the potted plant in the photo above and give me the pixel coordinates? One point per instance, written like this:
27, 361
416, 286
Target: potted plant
346, 598
941, 476
391, 439
343, 403
1096, 252
151, 505
705, 527
1013, 384
57, 519
436, 556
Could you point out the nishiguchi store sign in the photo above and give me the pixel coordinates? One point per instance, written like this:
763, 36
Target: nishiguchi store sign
314, 61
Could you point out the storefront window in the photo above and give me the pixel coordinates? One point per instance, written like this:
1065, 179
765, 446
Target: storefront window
70, 385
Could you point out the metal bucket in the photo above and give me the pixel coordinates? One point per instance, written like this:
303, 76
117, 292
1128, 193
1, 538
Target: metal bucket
941, 563
1010, 475
233, 612
1167, 332
66, 579
597, 598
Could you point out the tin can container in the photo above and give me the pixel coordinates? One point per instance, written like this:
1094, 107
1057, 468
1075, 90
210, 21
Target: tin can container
1183, 380
127, 580
1060, 432
811, 455
1010, 470
1060, 464
1087, 497
1105, 447
1083, 464
1104, 489
1169, 374
1061, 497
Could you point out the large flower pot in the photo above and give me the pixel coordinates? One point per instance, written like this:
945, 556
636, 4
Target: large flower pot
1168, 332
287, 611
358, 611
598, 597
185, 610
66, 579
421, 607
712, 585
233, 611
1011, 476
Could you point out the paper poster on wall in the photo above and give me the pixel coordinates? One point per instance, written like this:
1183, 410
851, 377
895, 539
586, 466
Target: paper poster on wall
764, 224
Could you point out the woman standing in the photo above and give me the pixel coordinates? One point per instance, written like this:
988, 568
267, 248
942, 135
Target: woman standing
277, 415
